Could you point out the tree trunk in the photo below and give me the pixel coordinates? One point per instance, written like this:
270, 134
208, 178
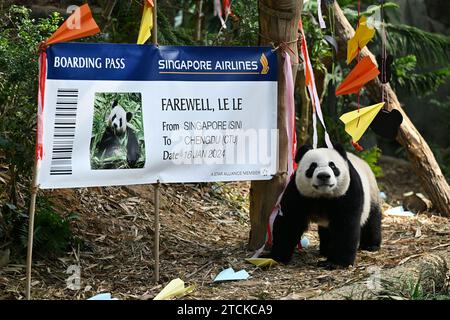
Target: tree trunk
420, 154
278, 21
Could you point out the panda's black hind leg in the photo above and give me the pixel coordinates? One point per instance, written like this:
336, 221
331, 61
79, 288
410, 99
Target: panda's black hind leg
371, 231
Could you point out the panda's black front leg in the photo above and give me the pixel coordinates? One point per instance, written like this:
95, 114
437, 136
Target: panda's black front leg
287, 232
324, 237
344, 233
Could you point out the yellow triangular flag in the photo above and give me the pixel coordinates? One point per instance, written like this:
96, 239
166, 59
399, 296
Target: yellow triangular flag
146, 22
262, 262
356, 122
175, 288
363, 35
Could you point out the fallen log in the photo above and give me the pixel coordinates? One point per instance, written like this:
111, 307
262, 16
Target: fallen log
427, 275
419, 153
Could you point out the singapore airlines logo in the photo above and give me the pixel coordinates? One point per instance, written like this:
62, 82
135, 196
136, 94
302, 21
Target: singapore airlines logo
264, 63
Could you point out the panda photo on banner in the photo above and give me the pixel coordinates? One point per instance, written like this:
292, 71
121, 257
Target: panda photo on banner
117, 132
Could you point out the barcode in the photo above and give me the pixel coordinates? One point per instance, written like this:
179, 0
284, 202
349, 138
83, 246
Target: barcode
64, 134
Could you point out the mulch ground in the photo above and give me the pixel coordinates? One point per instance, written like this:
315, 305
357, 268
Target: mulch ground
204, 229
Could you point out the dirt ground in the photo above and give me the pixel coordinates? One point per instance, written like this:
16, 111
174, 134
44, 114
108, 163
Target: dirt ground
204, 229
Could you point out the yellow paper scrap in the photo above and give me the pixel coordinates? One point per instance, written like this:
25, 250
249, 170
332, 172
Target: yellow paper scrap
175, 288
262, 262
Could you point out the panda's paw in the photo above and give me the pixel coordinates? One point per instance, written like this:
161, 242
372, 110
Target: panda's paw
370, 248
265, 255
283, 260
328, 265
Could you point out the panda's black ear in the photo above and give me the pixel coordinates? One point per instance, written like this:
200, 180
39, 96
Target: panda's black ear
301, 152
114, 104
340, 149
129, 116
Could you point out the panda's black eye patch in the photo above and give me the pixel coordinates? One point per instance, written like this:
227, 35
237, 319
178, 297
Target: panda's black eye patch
309, 173
120, 122
334, 168
113, 117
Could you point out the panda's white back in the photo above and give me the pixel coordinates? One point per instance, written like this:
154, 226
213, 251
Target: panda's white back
369, 184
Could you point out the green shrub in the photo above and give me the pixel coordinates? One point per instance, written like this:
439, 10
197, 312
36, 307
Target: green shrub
19, 38
52, 231
371, 156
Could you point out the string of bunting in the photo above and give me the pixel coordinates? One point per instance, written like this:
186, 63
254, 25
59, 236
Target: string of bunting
311, 85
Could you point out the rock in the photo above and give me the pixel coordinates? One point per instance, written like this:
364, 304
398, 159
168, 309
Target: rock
416, 202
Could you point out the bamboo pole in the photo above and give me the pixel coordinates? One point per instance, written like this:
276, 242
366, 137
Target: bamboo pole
155, 23
32, 210
198, 22
157, 228
157, 185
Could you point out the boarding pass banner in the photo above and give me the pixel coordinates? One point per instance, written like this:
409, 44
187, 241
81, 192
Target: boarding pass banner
128, 114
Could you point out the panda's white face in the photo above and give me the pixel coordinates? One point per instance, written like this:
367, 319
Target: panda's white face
117, 120
322, 173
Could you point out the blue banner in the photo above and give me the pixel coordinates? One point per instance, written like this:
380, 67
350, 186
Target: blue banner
129, 62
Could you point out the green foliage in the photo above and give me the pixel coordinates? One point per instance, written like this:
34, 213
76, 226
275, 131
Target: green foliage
371, 156
411, 289
242, 27
421, 84
412, 47
319, 49
168, 35
350, 11
19, 37
131, 102
52, 232
431, 49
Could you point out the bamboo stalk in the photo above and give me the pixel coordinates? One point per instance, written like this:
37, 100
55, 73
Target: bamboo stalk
32, 210
157, 227
198, 23
155, 23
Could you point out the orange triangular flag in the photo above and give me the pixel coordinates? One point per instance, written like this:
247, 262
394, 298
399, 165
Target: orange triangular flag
80, 24
362, 73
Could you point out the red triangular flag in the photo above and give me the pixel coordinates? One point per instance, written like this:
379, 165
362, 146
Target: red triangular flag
80, 24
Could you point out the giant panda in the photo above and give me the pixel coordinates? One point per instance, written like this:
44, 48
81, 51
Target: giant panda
338, 191
118, 136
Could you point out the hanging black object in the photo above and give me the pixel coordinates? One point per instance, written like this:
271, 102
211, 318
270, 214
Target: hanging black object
387, 123
385, 67
332, 41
